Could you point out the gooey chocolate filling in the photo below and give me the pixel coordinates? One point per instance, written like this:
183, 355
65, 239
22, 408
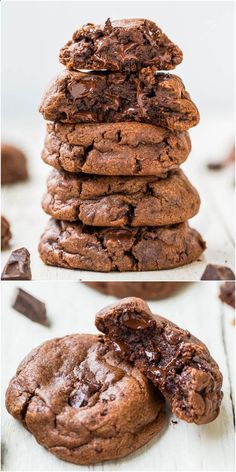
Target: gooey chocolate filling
162, 352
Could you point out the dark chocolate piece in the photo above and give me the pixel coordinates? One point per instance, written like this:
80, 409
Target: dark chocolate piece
30, 307
177, 363
18, 266
227, 293
123, 45
217, 272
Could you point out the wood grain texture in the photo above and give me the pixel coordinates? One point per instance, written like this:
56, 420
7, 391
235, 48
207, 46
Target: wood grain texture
71, 308
211, 140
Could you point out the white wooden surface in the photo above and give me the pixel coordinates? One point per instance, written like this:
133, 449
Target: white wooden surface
71, 308
211, 140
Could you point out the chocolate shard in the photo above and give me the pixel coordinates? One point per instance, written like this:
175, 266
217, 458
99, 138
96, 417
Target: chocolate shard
217, 272
30, 307
227, 293
17, 266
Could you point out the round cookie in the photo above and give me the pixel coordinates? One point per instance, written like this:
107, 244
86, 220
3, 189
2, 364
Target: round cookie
115, 148
82, 403
175, 361
159, 99
74, 246
13, 165
123, 45
5, 233
118, 201
146, 290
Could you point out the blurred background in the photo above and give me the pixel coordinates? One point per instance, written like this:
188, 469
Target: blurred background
33, 33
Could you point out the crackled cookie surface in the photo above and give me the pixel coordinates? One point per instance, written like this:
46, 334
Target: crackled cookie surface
82, 403
74, 246
118, 201
115, 148
159, 99
175, 361
124, 45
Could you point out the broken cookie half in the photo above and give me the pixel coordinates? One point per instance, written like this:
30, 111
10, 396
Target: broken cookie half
175, 361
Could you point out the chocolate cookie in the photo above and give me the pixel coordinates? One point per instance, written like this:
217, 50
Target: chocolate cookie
161, 99
146, 290
13, 165
5, 233
74, 246
175, 361
115, 148
82, 403
118, 201
124, 45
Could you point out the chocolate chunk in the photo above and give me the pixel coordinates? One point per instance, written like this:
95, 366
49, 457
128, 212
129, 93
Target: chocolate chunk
227, 293
17, 266
30, 307
5, 233
13, 165
217, 272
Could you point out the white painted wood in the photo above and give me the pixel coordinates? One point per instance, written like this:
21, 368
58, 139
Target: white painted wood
211, 140
71, 308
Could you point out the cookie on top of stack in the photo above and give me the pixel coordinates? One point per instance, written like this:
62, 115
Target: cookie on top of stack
116, 136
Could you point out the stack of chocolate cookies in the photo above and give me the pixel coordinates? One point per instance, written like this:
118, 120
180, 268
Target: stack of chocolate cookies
116, 136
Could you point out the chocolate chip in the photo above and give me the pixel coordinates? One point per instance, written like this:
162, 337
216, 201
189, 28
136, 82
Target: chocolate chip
17, 266
217, 272
30, 307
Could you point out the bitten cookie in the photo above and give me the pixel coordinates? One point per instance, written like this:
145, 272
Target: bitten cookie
119, 201
13, 165
82, 403
74, 246
124, 45
175, 361
115, 148
160, 99
146, 290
